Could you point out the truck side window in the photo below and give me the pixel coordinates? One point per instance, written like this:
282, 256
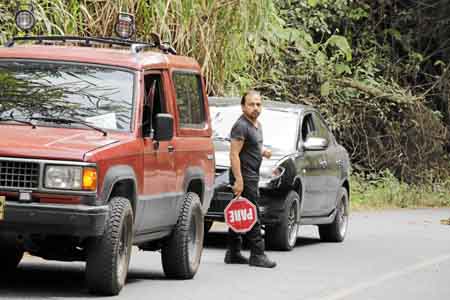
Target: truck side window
190, 102
153, 103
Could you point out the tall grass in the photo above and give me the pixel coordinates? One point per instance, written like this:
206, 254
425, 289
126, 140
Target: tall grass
218, 33
386, 191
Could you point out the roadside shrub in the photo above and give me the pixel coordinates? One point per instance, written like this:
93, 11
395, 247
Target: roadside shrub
384, 190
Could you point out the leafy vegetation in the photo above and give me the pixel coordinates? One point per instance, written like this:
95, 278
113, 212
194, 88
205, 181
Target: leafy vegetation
335, 57
218, 33
379, 70
384, 190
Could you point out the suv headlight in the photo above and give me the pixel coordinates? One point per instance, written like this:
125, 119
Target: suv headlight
270, 174
70, 177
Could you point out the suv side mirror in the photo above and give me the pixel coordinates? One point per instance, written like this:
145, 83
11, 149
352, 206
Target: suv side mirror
315, 144
163, 127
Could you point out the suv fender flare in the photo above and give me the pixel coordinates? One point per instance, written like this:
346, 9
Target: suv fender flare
298, 186
345, 183
116, 174
196, 176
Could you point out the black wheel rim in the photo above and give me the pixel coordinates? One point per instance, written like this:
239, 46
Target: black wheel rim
292, 225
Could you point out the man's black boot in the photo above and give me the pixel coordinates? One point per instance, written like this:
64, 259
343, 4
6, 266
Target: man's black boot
261, 260
235, 257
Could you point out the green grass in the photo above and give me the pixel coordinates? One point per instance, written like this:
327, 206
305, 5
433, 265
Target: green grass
386, 191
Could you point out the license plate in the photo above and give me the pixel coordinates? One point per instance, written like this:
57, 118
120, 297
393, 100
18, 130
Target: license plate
2, 207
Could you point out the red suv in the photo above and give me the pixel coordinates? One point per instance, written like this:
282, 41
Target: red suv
101, 148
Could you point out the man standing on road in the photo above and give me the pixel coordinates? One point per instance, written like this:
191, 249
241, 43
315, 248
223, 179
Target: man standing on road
246, 155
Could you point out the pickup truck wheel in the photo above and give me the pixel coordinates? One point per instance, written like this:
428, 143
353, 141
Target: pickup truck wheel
10, 255
283, 236
182, 251
335, 232
109, 255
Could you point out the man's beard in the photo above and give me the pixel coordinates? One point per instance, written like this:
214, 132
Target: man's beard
255, 115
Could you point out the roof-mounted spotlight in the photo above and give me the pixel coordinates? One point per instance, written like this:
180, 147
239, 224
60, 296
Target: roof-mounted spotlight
125, 26
25, 19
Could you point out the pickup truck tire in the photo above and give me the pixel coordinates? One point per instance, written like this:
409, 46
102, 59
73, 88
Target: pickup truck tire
283, 236
108, 256
182, 251
335, 232
10, 255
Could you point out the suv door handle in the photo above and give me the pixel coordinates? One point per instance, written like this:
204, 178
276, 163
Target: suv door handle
170, 148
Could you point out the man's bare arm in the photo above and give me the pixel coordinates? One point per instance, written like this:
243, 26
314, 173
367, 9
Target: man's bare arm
236, 147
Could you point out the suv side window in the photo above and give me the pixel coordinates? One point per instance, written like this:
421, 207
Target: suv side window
307, 127
153, 103
321, 128
190, 102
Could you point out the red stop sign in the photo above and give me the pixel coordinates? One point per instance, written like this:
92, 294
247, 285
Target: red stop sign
240, 215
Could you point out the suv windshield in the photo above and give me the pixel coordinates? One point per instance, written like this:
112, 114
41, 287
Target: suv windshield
97, 95
279, 127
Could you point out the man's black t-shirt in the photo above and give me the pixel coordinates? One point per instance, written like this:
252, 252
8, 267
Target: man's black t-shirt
251, 153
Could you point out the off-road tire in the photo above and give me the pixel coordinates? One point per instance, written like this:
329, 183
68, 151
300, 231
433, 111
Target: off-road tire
336, 231
182, 251
283, 236
10, 256
108, 256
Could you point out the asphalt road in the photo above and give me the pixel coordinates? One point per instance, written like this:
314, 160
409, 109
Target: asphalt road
398, 254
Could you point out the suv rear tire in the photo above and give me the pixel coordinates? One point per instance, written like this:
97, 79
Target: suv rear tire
109, 255
10, 255
336, 231
182, 252
283, 236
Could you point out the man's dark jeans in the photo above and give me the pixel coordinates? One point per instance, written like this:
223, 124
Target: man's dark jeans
253, 236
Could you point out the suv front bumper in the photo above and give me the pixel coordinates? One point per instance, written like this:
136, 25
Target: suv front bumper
55, 219
270, 207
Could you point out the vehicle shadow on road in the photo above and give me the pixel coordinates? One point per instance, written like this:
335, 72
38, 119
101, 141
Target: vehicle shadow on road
306, 241
44, 280
218, 240
49, 280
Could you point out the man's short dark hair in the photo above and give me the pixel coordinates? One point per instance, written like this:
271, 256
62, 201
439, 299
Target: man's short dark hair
247, 93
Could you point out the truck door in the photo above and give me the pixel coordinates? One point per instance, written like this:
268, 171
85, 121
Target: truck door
158, 199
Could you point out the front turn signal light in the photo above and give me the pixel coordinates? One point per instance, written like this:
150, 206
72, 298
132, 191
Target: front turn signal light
89, 179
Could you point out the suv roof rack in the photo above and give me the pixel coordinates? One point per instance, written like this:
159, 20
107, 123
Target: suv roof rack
135, 46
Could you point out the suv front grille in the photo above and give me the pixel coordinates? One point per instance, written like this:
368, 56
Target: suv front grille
18, 174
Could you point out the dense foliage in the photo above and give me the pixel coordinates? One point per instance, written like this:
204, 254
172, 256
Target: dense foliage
217, 33
365, 65
379, 70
